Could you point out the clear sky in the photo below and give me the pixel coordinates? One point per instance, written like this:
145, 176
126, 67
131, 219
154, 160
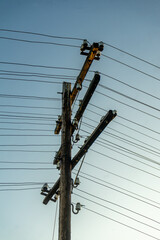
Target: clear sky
123, 194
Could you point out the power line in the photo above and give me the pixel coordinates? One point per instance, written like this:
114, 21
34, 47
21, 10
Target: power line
151, 115
30, 169
102, 215
34, 107
126, 96
117, 205
37, 81
24, 129
126, 150
39, 42
138, 199
114, 159
113, 210
24, 162
98, 107
133, 68
29, 123
128, 141
139, 125
28, 97
117, 175
39, 66
30, 113
35, 74
130, 192
55, 218
124, 125
129, 54
40, 34
126, 84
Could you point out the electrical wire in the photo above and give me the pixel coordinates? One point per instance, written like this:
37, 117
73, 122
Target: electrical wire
131, 55
123, 189
113, 210
133, 68
151, 115
39, 42
128, 120
102, 215
126, 84
34, 107
117, 205
37, 81
125, 149
122, 177
111, 188
39, 66
55, 218
28, 97
129, 165
40, 34
128, 141
126, 96
30, 169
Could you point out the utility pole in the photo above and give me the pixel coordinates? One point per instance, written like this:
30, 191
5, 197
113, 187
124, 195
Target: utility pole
65, 177
63, 185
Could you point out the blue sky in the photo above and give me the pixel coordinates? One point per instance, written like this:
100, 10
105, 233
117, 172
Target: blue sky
132, 26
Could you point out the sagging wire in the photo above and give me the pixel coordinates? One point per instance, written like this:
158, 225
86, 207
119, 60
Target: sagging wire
55, 219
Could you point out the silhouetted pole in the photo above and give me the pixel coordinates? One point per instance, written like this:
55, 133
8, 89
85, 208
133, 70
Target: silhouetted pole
65, 178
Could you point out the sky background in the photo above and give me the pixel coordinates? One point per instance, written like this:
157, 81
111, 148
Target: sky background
125, 151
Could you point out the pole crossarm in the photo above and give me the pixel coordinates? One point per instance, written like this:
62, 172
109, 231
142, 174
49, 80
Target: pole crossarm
101, 126
81, 109
96, 47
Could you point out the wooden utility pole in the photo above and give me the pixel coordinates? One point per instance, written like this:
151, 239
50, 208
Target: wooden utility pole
65, 178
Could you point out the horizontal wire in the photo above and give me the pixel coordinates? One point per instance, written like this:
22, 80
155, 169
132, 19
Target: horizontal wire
39, 66
1, 169
28, 123
151, 115
126, 140
29, 151
122, 177
126, 96
34, 107
126, 150
34, 74
128, 120
132, 55
123, 189
24, 129
28, 97
139, 124
37, 81
40, 34
126, 84
136, 198
39, 42
118, 205
112, 148
25, 162
133, 68
18, 189
129, 165
113, 210
29, 113
102, 215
